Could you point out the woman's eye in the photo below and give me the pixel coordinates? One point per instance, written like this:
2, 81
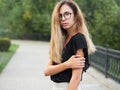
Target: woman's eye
60, 16
67, 13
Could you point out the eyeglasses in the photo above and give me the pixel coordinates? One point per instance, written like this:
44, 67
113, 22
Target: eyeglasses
66, 15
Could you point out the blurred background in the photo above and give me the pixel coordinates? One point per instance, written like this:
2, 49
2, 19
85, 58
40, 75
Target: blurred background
31, 20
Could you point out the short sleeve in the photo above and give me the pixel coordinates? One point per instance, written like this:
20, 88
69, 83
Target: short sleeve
79, 42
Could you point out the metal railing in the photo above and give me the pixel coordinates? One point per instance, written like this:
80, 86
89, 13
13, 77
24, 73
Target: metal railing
107, 61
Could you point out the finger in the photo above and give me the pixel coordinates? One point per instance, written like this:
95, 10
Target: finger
77, 56
80, 59
74, 56
81, 65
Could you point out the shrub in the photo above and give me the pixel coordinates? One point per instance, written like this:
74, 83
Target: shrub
4, 44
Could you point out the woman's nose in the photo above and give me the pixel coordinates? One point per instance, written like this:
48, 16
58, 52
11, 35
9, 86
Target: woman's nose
63, 18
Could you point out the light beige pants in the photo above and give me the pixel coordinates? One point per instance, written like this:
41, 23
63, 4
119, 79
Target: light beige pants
61, 86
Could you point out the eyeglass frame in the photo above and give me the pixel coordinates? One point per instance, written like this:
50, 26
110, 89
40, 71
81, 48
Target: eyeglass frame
63, 15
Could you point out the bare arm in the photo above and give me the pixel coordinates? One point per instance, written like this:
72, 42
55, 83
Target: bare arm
76, 75
74, 62
54, 69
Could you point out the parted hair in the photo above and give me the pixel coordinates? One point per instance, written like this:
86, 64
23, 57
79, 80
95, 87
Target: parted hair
58, 35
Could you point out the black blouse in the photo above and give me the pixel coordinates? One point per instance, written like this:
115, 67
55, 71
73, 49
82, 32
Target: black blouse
76, 42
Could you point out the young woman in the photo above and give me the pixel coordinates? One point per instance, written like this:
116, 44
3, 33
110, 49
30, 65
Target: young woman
70, 44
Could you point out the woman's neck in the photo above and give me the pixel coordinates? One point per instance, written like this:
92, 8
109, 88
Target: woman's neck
71, 32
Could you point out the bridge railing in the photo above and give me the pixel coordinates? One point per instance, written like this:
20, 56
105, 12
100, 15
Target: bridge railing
107, 61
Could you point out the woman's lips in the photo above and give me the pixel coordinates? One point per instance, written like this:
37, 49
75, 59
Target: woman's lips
64, 24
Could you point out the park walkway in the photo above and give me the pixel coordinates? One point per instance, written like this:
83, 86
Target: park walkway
25, 71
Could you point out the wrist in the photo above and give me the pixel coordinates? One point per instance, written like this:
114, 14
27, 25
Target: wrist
66, 65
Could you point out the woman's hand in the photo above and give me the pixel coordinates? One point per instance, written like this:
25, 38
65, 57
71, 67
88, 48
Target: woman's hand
76, 61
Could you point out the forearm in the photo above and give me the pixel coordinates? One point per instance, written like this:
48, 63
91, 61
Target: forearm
73, 62
73, 85
54, 69
75, 79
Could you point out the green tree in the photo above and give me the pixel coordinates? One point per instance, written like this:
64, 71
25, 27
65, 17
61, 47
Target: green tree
34, 16
102, 17
28, 16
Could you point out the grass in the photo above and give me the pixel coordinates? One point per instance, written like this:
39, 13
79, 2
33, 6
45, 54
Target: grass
6, 56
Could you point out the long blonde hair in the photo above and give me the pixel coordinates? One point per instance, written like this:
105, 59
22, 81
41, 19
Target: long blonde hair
57, 35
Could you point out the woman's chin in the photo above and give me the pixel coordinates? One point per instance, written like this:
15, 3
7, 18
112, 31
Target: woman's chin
65, 27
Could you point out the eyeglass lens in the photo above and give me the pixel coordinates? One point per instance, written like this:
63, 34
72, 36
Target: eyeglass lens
66, 15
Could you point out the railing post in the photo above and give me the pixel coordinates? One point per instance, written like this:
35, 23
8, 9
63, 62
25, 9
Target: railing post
106, 62
90, 59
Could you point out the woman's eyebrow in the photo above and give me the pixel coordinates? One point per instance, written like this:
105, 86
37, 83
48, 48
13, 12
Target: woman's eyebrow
65, 12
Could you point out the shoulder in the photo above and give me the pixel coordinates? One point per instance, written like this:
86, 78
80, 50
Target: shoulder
79, 41
79, 37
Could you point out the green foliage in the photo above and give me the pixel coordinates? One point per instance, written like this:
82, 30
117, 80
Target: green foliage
4, 44
103, 20
34, 16
27, 16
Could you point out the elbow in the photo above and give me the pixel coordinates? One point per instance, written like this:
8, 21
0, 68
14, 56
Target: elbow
46, 73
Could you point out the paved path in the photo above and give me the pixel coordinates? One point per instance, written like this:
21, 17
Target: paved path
25, 71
